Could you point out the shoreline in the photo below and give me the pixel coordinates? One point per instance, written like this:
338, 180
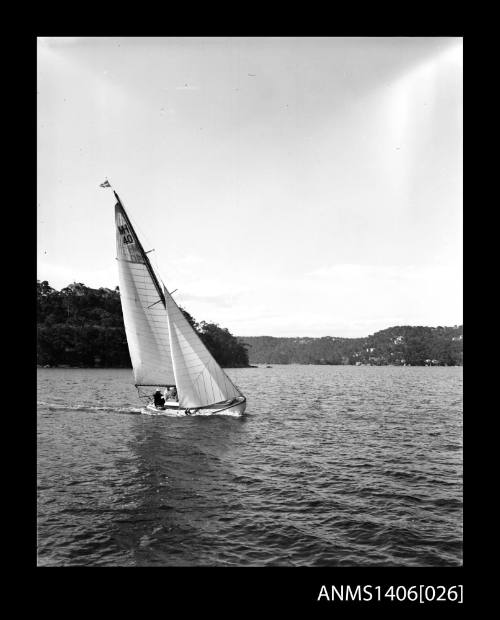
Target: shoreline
65, 366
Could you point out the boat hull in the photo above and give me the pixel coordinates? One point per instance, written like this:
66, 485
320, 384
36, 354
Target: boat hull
235, 408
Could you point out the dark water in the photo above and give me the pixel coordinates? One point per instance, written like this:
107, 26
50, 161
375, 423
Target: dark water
332, 466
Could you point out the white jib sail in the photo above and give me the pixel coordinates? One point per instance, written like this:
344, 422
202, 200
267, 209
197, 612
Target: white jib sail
144, 314
199, 379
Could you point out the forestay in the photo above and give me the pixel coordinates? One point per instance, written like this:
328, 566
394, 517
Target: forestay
144, 312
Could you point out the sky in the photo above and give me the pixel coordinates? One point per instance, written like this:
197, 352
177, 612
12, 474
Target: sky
288, 186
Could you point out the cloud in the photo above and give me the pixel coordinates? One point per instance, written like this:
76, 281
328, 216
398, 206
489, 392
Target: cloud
338, 300
222, 300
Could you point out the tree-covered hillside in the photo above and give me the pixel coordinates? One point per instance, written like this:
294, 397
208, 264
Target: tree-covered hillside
81, 326
416, 346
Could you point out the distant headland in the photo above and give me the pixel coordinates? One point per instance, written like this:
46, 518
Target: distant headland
397, 346
80, 326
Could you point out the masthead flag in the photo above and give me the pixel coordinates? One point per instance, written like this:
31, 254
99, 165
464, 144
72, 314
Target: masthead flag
105, 184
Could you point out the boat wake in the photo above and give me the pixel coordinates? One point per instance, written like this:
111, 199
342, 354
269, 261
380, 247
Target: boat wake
55, 406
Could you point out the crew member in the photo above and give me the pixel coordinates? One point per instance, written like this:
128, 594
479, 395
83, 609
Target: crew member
159, 400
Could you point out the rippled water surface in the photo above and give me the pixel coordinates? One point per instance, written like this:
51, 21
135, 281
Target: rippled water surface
331, 466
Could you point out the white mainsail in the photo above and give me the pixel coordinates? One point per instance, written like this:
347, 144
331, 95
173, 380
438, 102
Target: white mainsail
144, 313
199, 379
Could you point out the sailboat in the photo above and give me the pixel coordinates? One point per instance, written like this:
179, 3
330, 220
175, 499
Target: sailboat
165, 350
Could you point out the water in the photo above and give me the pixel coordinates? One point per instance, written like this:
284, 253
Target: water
331, 466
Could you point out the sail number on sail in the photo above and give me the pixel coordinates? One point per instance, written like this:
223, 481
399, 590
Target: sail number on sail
127, 237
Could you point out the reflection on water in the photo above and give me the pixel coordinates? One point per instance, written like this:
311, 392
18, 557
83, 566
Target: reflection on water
334, 465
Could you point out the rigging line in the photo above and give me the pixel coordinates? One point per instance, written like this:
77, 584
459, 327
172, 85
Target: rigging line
156, 302
152, 384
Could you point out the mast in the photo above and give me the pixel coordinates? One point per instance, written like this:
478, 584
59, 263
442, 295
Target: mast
141, 250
